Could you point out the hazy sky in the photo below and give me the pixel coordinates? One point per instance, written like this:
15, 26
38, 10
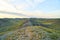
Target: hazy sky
30, 8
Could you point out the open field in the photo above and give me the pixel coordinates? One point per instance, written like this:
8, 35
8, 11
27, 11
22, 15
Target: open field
29, 29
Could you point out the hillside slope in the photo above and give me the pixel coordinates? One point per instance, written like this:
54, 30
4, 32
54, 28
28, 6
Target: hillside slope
29, 29
33, 33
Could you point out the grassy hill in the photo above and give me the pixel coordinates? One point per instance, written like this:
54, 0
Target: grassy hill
29, 29
34, 33
7, 25
49, 23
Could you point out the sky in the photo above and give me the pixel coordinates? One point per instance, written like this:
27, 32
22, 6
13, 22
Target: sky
30, 8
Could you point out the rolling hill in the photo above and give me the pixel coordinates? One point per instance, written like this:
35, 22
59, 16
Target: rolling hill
29, 29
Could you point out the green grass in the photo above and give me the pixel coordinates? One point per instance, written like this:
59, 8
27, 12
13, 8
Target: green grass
10, 25
52, 32
36, 32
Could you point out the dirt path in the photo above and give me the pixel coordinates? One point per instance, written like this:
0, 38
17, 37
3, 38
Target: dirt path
26, 24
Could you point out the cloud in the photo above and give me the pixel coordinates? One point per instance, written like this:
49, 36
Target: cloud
24, 4
34, 1
14, 5
4, 6
10, 16
30, 4
41, 14
32, 13
21, 9
54, 14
